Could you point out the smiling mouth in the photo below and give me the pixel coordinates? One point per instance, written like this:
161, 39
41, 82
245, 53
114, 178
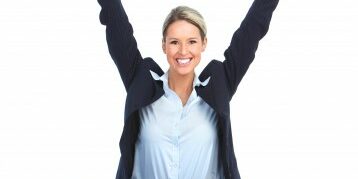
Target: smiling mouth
183, 61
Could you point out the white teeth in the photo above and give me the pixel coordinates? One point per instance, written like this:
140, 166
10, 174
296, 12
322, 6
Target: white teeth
183, 60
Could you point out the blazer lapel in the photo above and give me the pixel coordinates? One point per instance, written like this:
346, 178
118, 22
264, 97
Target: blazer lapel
144, 90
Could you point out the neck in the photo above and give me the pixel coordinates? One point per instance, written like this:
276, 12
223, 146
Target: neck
182, 85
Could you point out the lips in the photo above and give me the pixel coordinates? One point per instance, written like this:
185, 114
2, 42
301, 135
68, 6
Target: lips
183, 61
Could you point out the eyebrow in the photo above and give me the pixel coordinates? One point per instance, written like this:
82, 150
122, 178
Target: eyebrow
191, 38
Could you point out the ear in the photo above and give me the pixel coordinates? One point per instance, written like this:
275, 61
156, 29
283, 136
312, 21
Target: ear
205, 41
163, 46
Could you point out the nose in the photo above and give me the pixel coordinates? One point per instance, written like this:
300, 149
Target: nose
183, 49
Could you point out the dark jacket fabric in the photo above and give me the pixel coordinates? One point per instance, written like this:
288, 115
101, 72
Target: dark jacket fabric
143, 90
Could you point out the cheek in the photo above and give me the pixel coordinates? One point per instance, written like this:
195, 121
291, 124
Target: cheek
198, 51
170, 51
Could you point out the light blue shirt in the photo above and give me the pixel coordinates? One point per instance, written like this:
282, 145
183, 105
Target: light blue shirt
177, 141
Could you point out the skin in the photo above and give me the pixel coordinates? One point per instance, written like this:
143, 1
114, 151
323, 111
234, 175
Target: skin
182, 42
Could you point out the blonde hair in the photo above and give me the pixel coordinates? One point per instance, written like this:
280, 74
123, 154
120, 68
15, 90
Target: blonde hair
188, 14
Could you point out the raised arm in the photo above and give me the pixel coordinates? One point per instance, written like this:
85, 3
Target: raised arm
121, 43
245, 40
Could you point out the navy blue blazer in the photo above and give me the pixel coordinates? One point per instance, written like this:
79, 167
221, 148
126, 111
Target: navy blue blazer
143, 90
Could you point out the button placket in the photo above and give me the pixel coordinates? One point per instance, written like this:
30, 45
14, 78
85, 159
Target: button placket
174, 165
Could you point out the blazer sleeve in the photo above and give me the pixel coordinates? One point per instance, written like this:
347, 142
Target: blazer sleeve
122, 45
241, 52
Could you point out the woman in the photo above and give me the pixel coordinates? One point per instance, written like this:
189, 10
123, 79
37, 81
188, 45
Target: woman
177, 124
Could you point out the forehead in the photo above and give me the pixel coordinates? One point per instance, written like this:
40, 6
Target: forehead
182, 28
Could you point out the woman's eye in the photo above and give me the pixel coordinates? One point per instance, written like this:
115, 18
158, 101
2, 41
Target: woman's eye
174, 42
192, 41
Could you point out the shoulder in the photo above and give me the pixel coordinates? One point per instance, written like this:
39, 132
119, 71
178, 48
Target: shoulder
146, 65
149, 64
215, 67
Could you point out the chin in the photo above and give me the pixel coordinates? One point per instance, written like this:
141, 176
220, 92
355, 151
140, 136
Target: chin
184, 73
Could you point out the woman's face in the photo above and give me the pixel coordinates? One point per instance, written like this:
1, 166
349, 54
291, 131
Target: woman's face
183, 46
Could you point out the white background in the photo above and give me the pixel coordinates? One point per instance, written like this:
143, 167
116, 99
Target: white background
294, 115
